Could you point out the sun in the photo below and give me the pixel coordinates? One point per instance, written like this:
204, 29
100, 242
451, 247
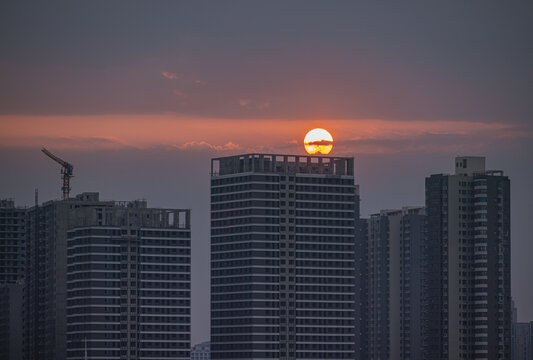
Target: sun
318, 141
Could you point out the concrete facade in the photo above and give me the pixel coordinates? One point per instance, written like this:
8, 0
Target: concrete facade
45, 291
128, 283
131, 230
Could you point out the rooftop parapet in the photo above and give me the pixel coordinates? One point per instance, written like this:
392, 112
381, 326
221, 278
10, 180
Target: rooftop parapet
7, 203
405, 210
128, 217
282, 164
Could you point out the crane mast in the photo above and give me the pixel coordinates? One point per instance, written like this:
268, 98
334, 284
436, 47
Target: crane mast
66, 171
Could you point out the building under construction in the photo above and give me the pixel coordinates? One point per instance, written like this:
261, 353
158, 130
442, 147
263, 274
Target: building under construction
106, 279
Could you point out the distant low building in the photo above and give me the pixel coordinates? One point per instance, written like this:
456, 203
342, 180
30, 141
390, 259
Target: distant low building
201, 351
522, 341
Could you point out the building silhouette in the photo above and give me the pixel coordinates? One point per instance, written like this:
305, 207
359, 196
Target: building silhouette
468, 298
395, 241
283, 257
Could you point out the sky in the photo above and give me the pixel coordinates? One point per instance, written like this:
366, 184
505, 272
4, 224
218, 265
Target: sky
140, 95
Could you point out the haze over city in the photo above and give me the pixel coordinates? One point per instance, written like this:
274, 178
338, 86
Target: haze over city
139, 96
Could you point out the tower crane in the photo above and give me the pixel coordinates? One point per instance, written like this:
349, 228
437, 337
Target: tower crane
66, 171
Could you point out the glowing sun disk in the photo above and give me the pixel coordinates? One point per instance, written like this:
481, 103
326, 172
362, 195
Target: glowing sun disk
318, 141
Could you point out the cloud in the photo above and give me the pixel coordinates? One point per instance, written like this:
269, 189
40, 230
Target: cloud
79, 143
192, 145
254, 104
170, 75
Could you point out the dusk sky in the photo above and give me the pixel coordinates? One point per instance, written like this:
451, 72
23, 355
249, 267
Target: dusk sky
138, 96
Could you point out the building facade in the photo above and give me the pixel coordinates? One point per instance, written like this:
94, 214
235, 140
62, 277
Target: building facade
201, 351
11, 321
395, 242
147, 280
128, 283
283, 257
45, 276
468, 255
12, 241
12, 255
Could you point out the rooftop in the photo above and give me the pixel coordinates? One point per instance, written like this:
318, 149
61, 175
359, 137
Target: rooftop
282, 164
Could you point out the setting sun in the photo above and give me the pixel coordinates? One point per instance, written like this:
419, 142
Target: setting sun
318, 141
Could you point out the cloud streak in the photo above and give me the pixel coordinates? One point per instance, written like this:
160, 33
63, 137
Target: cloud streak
170, 75
200, 145
254, 104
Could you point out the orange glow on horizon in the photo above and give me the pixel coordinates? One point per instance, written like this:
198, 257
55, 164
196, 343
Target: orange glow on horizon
101, 132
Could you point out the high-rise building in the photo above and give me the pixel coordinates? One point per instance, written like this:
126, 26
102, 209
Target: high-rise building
128, 283
12, 241
468, 298
12, 254
283, 257
45, 289
150, 247
395, 241
201, 351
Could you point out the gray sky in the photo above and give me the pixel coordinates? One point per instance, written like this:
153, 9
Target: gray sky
140, 95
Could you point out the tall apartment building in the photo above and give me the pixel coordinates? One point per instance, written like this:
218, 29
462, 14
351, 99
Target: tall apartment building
12, 241
283, 257
468, 250
45, 290
128, 283
395, 270
12, 254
